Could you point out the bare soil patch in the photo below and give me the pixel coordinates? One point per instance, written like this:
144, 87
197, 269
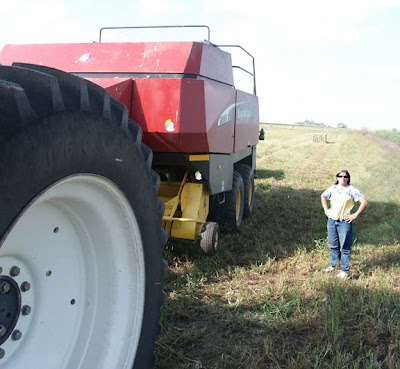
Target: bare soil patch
384, 143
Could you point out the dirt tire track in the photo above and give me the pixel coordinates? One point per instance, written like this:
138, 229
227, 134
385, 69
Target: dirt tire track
384, 143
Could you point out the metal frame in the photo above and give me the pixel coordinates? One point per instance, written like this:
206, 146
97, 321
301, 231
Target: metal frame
173, 203
217, 168
245, 70
208, 40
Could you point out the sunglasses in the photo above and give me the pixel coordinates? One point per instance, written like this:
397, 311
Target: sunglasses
343, 177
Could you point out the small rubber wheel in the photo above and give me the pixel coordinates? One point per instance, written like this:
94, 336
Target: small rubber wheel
247, 174
209, 240
232, 209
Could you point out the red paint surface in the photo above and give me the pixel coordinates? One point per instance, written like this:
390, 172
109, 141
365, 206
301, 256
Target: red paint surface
193, 106
142, 57
247, 121
206, 113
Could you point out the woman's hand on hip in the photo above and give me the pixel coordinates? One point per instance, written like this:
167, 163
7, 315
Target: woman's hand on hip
349, 218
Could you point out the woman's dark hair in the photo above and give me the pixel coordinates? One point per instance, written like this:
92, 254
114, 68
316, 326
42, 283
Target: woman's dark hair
347, 174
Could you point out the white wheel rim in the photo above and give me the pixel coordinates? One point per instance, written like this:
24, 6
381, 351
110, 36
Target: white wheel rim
79, 246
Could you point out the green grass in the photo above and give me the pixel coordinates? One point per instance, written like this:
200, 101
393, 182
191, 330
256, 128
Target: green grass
263, 302
393, 136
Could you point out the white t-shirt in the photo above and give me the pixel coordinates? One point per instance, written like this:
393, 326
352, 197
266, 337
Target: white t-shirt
342, 200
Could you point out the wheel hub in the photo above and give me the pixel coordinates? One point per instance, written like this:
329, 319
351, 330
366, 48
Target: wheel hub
51, 269
10, 306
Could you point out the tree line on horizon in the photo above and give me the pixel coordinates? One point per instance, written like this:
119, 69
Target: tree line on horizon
311, 123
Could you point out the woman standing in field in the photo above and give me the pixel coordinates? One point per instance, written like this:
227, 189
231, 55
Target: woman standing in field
342, 197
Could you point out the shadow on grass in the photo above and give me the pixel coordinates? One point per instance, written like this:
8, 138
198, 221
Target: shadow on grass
379, 224
286, 220
386, 261
207, 325
341, 326
265, 173
283, 220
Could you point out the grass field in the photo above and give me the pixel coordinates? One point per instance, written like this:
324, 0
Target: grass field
389, 135
263, 301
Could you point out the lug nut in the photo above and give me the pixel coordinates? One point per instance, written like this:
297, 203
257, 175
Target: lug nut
14, 271
2, 353
25, 286
5, 288
3, 330
16, 335
26, 310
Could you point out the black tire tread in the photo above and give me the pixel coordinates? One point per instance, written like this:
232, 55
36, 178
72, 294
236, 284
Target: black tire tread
15, 108
247, 174
74, 91
29, 93
228, 208
55, 86
42, 89
207, 238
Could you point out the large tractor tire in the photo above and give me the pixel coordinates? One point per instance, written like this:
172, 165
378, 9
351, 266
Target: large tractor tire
231, 211
247, 174
81, 244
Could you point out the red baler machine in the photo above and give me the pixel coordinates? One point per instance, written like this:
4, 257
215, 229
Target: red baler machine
202, 130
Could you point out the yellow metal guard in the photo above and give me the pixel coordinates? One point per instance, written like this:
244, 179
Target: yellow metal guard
186, 208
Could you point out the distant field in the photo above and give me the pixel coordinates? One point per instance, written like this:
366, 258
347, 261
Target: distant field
389, 135
263, 302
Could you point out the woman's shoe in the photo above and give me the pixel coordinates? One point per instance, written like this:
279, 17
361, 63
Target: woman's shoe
342, 274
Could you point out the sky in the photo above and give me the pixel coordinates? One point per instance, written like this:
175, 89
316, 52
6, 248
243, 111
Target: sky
327, 61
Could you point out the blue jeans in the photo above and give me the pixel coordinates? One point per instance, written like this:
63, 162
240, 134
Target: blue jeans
340, 238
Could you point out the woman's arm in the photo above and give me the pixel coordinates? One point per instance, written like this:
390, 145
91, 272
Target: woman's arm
363, 205
324, 203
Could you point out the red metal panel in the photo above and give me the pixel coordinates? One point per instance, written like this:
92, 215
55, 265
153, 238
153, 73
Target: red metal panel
193, 117
202, 103
141, 57
216, 64
247, 120
177, 115
183, 115
174, 57
220, 131
156, 107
